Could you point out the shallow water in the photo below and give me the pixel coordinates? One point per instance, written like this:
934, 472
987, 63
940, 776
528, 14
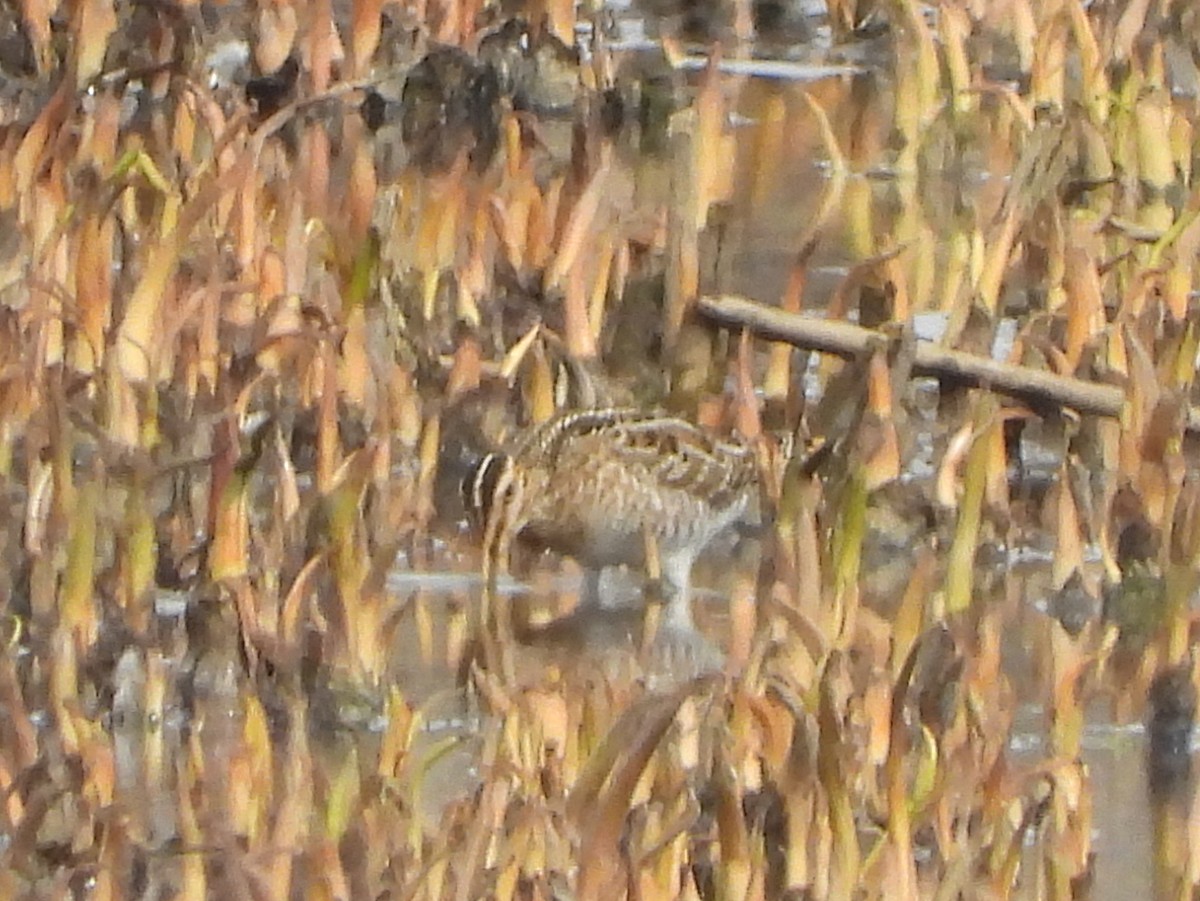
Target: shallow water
221, 700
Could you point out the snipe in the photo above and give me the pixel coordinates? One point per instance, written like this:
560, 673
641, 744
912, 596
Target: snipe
604, 486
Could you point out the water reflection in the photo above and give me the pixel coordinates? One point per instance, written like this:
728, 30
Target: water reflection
300, 694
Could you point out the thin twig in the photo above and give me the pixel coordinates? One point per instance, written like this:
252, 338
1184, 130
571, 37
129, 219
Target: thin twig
848, 340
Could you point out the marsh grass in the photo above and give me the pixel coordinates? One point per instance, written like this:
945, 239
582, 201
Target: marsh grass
238, 362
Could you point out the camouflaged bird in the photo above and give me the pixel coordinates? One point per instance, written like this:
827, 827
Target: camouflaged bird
603, 485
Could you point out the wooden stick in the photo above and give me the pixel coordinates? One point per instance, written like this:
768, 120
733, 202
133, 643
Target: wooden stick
847, 340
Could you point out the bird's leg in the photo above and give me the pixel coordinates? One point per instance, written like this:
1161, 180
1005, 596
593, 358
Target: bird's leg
589, 593
676, 589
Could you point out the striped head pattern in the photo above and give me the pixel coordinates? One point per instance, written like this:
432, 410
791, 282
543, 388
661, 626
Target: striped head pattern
491, 491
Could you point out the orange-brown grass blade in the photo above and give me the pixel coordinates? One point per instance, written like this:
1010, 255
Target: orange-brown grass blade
48, 267
93, 270
918, 81
712, 154
777, 379
292, 607
579, 227
899, 821
579, 230
1068, 552
228, 552
63, 685
577, 330
458, 634
844, 16
1181, 572
78, 612
324, 45
363, 184
603, 282
364, 34
37, 16
315, 171
341, 796
1179, 368
955, 264
355, 378
349, 562
910, 617
99, 764
397, 738
466, 367
188, 776
328, 435
847, 552
92, 24
135, 345
543, 217
845, 853
31, 154
484, 832
428, 458
42, 526
1004, 872
689, 201
537, 388
657, 866
510, 222
1130, 26
1094, 85
743, 620
560, 18
22, 751
547, 721
875, 701
252, 796
600, 800
291, 825
423, 626
93, 291
746, 412
138, 549
953, 29
440, 200
766, 151
960, 569
883, 463
516, 354
1067, 832
287, 490
735, 871
474, 273
326, 880
798, 539
1047, 79
277, 27
999, 248
1085, 303
1066, 706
